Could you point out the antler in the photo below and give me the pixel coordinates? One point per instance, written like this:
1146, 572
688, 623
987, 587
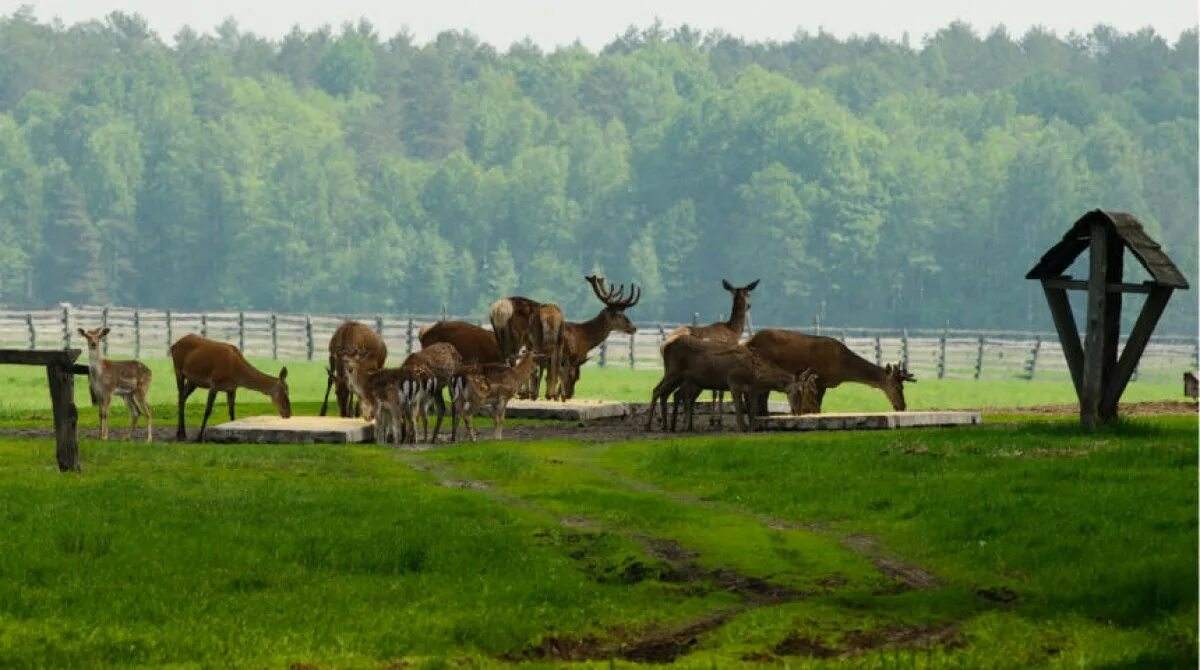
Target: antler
614, 297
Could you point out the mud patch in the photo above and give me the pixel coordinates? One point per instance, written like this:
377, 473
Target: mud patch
654, 644
909, 575
999, 594
905, 637
796, 644
463, 484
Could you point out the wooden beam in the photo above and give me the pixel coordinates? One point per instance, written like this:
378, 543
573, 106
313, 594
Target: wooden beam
1096, 329
1080, 285
1114, 273
1139, 337
62, 357
1068, 333
66, 416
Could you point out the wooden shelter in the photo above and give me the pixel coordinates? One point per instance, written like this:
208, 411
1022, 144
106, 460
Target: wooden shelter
1097, 372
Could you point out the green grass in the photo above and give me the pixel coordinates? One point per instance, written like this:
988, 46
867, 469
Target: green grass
349, 557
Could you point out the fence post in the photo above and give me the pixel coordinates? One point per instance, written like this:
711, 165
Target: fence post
695, 319
1031, 364
169, 338
941, 363
32, 332
137, 333
662, 334
817, 324
979, 358
878, 351
104, 324
274, 337
308, 335
242, 332
66, 321
631, 348
408, 336
904, 348
379, 325
203, 325
842, 336
604, 353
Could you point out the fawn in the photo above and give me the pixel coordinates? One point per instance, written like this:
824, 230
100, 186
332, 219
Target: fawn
491, 383
128, 379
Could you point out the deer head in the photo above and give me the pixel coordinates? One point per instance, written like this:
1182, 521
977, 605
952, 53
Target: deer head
740, 294
279, 395
93, 338
615, 303
569, 374
892, 385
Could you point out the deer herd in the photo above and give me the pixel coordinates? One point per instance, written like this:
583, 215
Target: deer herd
529, 342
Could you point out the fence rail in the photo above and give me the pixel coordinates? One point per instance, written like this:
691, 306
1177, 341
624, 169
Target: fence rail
929, 353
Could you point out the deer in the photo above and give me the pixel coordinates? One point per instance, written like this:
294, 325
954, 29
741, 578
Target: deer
128, 379
580, 338
379, 397
832, 361
493, 384
750, 392
218, 366
437, 364
351, 335
476, 345
1191, 386
704, 364
520, 322
729, 332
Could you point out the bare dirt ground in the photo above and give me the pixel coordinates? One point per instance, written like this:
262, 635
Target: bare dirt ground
1155, 408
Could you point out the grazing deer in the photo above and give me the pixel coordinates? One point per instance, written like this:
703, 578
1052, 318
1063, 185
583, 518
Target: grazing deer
520, 322
477, 385
351, 335
580, 338
128, 379
729, 332
1190, 385
832, 361
217, 366
476, 345
704, 364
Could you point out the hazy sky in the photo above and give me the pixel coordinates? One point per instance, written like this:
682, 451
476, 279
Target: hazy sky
595, 22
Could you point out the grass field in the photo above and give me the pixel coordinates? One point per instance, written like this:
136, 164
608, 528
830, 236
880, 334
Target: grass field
1022, 543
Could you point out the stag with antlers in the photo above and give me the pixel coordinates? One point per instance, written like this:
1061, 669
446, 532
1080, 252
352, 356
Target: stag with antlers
580, 338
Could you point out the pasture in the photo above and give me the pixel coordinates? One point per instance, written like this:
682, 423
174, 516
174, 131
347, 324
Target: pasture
1024, 542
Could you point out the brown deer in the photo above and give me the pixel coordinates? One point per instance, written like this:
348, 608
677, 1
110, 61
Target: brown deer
520, 322
729, 332
437, 364
474, 386
476, 345
351, 335
128, 379
704, 364
580, 338
1190, 385
378, 393
832, 361
217, 366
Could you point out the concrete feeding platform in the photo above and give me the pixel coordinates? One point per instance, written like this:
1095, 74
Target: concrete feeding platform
571, 410
709, 407
296, 430
870, 421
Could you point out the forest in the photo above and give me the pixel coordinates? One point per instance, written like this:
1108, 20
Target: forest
866, 181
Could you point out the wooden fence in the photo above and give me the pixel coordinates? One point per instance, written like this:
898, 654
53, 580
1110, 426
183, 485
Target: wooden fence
942, 353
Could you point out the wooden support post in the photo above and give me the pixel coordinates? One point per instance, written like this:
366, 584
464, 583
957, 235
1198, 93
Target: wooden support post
1114, 275
408, 337
66, 416
632, 349
242, 332
32, 332
169, 335
66, 325
274, 325
1068, 333
878, 351
104, 324
979, 358
941, 361
137, 333
308, 336
1031, 362
1096, 330
1139, 337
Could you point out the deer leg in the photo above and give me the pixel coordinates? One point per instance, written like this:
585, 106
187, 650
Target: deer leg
185, 390
103, 410
498, 418
440, 403
141, 400
739, 405
328, 386
231, 399
689, 400
208, 405
820, 399
133, 414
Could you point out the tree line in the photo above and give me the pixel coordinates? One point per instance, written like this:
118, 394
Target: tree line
866, 181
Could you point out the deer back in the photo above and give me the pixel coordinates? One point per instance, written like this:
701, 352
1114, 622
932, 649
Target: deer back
474, 344
440, 358
354, 335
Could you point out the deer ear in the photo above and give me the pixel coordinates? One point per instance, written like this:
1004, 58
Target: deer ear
105, 331
726, 285
283, 373
81, 332
752, 285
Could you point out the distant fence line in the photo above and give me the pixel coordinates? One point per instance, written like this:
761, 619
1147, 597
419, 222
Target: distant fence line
948, 353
